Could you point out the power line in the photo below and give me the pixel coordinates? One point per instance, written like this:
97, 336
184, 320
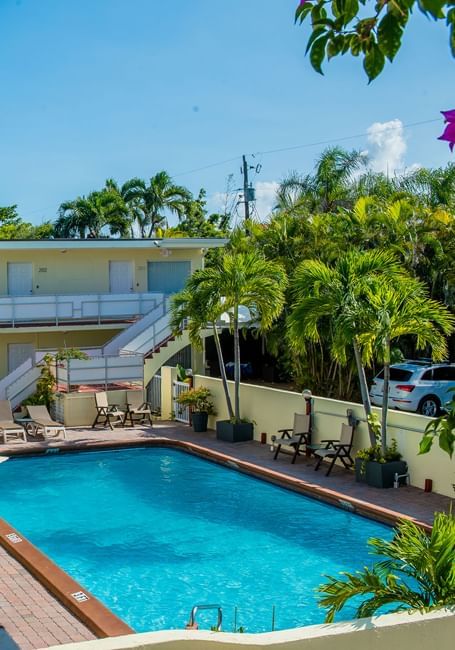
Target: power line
347, 137
306, 145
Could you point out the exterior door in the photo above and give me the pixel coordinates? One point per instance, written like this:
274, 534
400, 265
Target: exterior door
18, 353
20, 278
167, 277
121, 277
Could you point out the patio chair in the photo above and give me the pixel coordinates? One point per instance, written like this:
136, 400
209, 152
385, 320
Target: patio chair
297, 437
43, 423
110, 413
137, 407
337, 449
7, 425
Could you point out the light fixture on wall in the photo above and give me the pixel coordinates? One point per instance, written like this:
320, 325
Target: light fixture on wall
165, 252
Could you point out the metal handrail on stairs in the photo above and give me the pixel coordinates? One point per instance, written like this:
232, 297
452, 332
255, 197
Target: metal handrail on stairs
192, 625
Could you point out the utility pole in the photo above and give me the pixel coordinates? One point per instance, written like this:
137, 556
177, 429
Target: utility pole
245, 191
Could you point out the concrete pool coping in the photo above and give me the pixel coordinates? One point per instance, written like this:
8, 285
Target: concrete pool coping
99, 619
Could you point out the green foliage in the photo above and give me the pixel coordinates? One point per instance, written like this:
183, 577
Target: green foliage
442, 428
417, 572
13, 227
196, 223
198, 399
371, 29
45, 385
376, 453
234, 279
181, 372
64, 354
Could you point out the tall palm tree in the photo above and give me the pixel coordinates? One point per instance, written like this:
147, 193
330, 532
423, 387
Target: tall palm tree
417, 572
397, 308
153, 200
331, 299
200, 310
237, 279
88, 216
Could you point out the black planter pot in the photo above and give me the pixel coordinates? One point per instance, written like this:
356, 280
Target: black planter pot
379, 475
230, 432
200, 420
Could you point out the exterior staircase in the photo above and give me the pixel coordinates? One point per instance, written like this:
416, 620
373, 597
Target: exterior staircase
150, 337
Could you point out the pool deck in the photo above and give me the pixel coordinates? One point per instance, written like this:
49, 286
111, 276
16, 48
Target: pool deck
35, 619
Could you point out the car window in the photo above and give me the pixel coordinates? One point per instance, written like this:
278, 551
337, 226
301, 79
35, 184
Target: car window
397, 374
446, 373
428, 375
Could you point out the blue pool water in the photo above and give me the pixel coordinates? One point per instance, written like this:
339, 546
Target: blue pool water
152, 532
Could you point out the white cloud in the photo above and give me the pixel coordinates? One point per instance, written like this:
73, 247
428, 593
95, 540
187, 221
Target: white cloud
216, 202
265, 198
388, 147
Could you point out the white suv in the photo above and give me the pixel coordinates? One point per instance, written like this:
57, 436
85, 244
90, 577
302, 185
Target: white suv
417, 386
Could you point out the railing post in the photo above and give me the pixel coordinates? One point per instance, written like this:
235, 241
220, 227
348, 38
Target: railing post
68, 375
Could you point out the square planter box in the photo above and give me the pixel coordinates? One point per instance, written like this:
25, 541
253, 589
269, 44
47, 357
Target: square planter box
230, 432
379, 475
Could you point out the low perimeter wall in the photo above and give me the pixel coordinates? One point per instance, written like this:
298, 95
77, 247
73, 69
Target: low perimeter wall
396, 631
272, 409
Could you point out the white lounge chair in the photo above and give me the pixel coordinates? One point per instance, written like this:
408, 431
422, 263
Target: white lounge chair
43, 423
7, 425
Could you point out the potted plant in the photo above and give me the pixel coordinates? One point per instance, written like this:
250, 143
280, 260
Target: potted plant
377, 467
198, 399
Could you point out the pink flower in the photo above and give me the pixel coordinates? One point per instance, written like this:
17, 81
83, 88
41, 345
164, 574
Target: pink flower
449, 115
449, 131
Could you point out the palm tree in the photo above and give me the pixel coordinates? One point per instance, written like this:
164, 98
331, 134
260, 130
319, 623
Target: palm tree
417, 572
87, 216
331, 300
236, 279
195, 307
398, 308
328, 188
153, 200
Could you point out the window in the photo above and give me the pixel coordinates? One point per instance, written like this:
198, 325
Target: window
446, 373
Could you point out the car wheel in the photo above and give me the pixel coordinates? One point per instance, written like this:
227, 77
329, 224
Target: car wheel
430, 406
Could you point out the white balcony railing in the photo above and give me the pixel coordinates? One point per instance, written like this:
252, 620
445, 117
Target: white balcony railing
57, 309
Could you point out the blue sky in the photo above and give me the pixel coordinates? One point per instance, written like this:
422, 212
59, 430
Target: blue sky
92, 89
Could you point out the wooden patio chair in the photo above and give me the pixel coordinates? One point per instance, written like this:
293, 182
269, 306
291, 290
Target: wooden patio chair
337, 449
297, 437
7, 425
109, 413
43, 423
137, 407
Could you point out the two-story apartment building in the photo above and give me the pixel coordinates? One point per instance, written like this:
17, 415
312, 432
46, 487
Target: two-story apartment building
85, 293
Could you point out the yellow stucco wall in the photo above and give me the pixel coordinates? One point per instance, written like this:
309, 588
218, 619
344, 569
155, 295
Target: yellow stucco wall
274, 409
87, 271
87, 338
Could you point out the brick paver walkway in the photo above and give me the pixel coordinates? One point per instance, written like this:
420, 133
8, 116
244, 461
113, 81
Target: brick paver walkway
34, 619
30, 614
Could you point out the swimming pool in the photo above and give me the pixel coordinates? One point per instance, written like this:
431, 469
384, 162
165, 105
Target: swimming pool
152, 532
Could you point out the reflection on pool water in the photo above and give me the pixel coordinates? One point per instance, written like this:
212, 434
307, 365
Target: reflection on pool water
153, 532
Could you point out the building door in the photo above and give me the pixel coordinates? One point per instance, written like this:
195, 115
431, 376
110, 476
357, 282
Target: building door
18, 353
167, 277
121, 277
20, 278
